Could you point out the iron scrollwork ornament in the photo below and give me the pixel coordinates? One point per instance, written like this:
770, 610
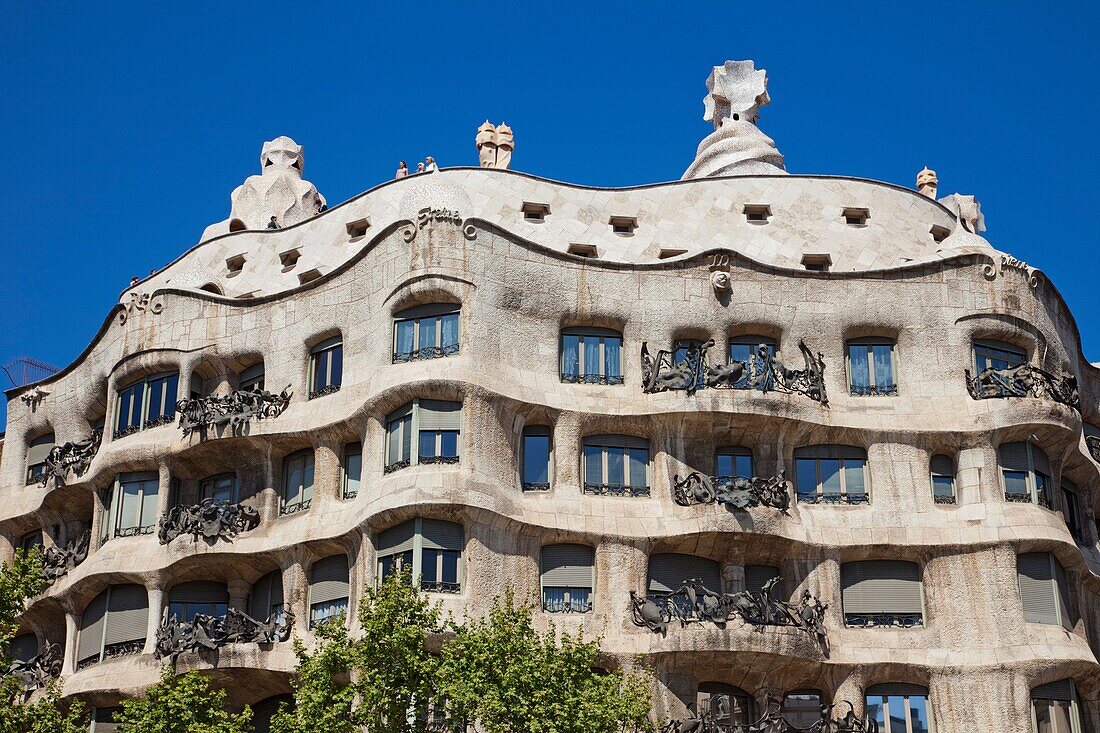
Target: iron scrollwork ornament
36, 672
715, 715
738, 492
1093, 443
1023, 380
695, 603
764, 372
72, 456
58, 561
237, 409
206, 632
210, 519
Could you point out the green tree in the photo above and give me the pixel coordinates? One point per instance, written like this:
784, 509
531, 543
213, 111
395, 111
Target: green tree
183, 704
504, 676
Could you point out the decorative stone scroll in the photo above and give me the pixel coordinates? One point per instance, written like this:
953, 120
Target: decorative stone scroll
58, 561
695, 603
210, 519
72, 456
139, 303
662, 372
738, 492
206, 632
714, 716
36, 672
1008, 262
428, 215
1024, 380
237, 409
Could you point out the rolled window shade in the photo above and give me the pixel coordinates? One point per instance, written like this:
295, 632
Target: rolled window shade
897, 688
830, 451
127, 614
1063, 594
424, 311
569, 566
881, 586
1040, 461
757, 575
440, 415
440, 535
327, 344
942, 465
251, 374
39, 448
397, 539
267, 592
23, 647
89, 642
1036, 579
199, 591
1013, 456
329, 579
617, 441
1061, 690
668, 571
397, 414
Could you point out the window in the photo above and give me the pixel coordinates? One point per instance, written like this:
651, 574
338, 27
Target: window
329, 589
1044, 591
729, 705
871, 367
881, 593
113, 625
326, 367
436, 426
755, 352
1071, 510
568, 573
942, 469
289, 258
817, 262
252, 378
623, 225
733, 462
31, 540
431, 549
617, 465
222, 487
757, 576
856, 217
583, 250
103, 719
997, 355
668, 253
899, 708
23, 647
802, 708
1025, 470
1055, 709
689, 350
37, 453
188, 600
757, 213
234, 265
353, 469
591, 356
297, 482
669, 571
535, 213
146, 403
358, 228
131, 507
537, 447
831, 474
266, 601
426, 332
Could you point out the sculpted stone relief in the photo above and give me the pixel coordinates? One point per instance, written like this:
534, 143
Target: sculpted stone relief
138, 304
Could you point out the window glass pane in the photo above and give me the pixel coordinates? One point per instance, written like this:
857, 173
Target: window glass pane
390, 563
1015, 482
295, 473
393, 449
943, 486
883, 365
429, 570
806, 471
406, 331
307, 478
615, 465
853, 476
802, 709
130, 509
536, 459
427, 443
897, 708
570, 354
740, 352
320, 370
154, 399
593, 464
449, 566
553, 599
876, 711
613, 357
449, 336
857, 364
830, 475
744, 466
1042, 716
1042, 487
448, 443
918, 713
149, 503
639, 457
579, 599
353, 470
592, 355
725, 465
336, 373
428, 332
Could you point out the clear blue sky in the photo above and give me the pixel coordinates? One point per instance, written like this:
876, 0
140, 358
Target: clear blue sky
125, 126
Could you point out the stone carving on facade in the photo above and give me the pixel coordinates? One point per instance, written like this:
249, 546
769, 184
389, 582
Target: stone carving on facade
739, 492
33, 397
198, 414
735, 93
428, 216
695, 603
138, 304
693, 372
210, 519
72, 456
715, 713
495, 144
927, 183
720, 278
36, 672
1010, 263
206, 632
58, 561
1023, 380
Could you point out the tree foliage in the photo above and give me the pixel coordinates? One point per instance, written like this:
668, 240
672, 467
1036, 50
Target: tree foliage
183, 704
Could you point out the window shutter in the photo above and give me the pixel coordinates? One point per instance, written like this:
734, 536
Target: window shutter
440, 535
569, 566
1040, 461
668, 571
942, 465
199, 591
127, 614
327, 344
440, 415
757, 575
1013, 456
831, 451
431, 309
396, 540
1035, 575
329, 579
1063, 594
251, 374
39, 449
89, 642
23, 647
617, 441
1061, 690
267, 592
897, 688
881, 586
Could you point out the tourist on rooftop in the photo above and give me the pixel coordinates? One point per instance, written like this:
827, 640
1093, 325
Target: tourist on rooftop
402, 170
273, 224
432, 167
419, 167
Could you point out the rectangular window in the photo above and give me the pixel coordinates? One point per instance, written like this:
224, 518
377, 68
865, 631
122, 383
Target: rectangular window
756, 353
831, 474
326, 367
1071, 511
996, 355
616, 465
431, 549
1055, 708
1044, 591
252, 378
187, 611
220, 488
437, 425
536, 458
353, 469
591, 356
145, 404
426, 332
871, 368
297, 482
943, 479
568, 574
329, 589
1025, 471
904, 712
37, 453
881, 593
136, 502
734, 462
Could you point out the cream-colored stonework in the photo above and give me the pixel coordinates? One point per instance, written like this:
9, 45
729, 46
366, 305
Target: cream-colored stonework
459, 236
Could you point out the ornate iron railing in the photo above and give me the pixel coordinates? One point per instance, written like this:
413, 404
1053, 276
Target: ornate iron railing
1017, 498
135, 531
156, 422
563, 606
591, 378
58, 561
736, 491
663, 373
818, 498
330, 389
396, 466
36, 672
426, 352
1093, 443
535, 486
210, 519
716, 715
943, 498
615, 490
198, 414
294, 508
428, 460
1024, 380
72, 456
113, 651
873, 390
206, 632
438, 586
871, 620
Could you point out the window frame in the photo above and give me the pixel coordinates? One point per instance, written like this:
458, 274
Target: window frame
115, 507
626, 443
583, 375
408, 417
567, 603
333, 607
435, 312
842, 496
990, 349
1071, 510
252, 378
734, 452
308, 458
1044, 496
905, 691
417, 550
804, 693
354, 448
35, 471
143, 388
873, 389
1073, 708
933, 473
326, 354
879, 618
536, 431
212, 482
754, 368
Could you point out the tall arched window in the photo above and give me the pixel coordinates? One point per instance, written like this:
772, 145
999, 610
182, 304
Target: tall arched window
755, 353
591, 356
266, 600
616, 465
37, 452
326, 367
130, 507
146, 403
187, 600
297, 482
537, 450
942, 469
329, 589
434, 426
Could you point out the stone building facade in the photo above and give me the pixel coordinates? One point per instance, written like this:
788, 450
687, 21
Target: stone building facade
583, 394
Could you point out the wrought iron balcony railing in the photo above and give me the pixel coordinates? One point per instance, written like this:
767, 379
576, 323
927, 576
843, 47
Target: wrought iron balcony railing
36, 672
396, 466
717, 714
135, 531
1093, 443
207, 632
820, 498
298, 506
198, 414
74, 457
1040, 500
943, 498
330, 389
615, 490
210, 519
591, 378
872, 620
1024, 380
873, 390
535, 486
113, 651
426, 352
58, 561
439, 586
156, 422
427, 460
736, 491
560, 605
